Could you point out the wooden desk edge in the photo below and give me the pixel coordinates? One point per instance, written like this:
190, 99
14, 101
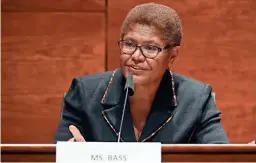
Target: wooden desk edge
176, 153
51, 148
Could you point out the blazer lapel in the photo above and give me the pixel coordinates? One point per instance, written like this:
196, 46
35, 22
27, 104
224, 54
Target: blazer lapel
160, 114
113, 101
161, 110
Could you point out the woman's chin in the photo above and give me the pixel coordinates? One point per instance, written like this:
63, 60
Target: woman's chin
140, 80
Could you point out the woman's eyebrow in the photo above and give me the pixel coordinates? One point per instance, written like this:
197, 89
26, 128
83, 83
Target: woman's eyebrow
150, 42
147, 42
129, 39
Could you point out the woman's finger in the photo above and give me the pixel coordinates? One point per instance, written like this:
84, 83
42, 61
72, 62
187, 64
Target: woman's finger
76, 133
71, 139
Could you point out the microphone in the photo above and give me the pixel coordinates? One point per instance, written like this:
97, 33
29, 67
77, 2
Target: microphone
129, 90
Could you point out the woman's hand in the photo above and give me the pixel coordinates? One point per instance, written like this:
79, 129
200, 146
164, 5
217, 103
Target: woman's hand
253, 142
77, 136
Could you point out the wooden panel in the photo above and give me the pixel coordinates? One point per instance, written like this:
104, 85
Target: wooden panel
46, 60
218, 48
41, 53
53, 5
239, 121
53, 24
47, 76
30, 128
29, 118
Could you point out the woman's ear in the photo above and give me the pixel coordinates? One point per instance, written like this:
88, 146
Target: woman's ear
174, 52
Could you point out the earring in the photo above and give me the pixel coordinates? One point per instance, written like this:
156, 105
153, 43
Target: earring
173, 88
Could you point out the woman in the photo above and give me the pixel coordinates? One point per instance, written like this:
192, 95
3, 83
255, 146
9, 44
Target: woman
166, 107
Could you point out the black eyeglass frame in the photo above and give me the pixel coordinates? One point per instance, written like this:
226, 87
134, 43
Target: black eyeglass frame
139, 46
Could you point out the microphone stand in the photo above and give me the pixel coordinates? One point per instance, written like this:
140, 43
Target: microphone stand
121, 125
129, 88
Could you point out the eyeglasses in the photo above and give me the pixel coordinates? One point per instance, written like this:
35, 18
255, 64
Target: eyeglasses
149, 51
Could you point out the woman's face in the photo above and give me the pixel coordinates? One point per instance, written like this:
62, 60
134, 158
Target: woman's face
145, 70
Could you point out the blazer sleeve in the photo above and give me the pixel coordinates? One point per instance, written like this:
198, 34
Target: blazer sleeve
71, 111
210, 130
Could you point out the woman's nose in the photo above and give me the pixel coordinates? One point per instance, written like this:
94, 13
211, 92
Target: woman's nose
137, 56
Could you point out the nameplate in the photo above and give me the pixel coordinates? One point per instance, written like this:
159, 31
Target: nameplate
107, 152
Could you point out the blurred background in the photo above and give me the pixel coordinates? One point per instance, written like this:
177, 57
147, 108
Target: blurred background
45, 43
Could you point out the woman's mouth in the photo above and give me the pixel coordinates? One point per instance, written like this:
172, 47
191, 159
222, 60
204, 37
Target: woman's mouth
134, 69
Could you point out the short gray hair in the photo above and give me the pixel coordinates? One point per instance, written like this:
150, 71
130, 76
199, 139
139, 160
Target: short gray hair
160, 16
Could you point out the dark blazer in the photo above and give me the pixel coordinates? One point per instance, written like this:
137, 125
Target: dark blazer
94, 105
